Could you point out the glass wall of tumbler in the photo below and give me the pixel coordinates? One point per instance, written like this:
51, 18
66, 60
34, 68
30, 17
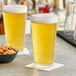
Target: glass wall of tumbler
69, 20
60, 9
74, 22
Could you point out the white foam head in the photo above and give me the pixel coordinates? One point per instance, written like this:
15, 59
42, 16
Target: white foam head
15, 9
45, 18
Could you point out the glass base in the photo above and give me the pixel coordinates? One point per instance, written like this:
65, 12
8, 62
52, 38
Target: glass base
24, 51
38, 65
69, 32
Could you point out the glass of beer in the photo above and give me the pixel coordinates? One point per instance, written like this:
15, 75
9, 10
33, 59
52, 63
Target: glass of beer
44, 36
14, 25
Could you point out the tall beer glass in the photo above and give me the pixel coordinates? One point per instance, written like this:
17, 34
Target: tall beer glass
14, 24
43, 36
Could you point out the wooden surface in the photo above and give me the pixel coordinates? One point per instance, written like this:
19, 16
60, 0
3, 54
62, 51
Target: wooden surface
64, 53
1, 28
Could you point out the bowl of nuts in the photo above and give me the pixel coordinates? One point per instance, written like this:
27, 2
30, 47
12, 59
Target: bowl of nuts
7, 54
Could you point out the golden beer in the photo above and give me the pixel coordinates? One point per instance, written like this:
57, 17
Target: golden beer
14, 23
43, 35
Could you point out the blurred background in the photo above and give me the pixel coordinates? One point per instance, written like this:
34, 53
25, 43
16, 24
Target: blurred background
63, 8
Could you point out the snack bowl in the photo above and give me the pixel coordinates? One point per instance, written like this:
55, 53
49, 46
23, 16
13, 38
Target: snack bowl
7, 56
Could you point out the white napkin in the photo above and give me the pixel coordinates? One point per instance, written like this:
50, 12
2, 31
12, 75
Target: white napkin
45, 68
24, 51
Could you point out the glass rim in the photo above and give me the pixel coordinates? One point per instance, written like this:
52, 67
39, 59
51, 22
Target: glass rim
52, 14
14, 8
45, 18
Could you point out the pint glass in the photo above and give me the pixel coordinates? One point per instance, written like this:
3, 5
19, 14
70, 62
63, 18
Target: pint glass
14, 24
43, 36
